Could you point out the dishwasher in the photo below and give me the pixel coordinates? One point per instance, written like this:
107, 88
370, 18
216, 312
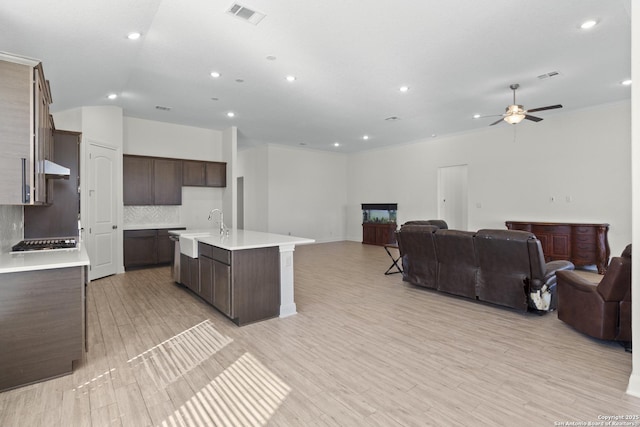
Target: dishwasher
175, 265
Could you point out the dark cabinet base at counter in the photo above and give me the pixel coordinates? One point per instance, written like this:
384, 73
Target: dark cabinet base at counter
244, 285
43, 325
148, 247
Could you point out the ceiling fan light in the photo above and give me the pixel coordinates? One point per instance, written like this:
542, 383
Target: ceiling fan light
514, 118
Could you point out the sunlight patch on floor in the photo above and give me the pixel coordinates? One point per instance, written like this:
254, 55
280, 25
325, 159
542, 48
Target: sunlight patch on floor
244, 394
176, 356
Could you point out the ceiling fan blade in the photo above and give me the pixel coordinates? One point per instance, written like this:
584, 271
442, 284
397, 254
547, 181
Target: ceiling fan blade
496, 122
550, 107
533, 118
490, 115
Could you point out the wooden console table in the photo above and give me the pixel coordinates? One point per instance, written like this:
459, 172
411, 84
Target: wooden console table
582, 244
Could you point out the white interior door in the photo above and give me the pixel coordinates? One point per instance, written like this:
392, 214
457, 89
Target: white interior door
103, 223
452, 196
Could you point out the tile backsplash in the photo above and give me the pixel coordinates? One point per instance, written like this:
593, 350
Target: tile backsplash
156, 215
11, 226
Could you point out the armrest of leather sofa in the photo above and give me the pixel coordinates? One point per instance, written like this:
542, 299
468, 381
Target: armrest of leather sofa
576, 282
542, 293
552, 267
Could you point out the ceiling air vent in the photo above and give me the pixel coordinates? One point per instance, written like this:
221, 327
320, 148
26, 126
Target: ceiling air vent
548, 75
162, 108
245, 13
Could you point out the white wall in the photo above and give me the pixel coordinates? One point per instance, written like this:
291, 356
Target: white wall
512, 176
295, 191
254, 167
151, 138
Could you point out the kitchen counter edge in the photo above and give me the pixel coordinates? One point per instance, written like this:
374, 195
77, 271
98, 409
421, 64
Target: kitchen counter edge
43, 260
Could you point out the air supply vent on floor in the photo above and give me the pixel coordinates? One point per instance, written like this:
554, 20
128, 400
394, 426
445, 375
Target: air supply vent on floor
246, 14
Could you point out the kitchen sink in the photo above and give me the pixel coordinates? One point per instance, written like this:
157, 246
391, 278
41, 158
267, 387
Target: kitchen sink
189, 243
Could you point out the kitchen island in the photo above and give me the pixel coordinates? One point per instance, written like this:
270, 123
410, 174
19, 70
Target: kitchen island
42, 313
247, 275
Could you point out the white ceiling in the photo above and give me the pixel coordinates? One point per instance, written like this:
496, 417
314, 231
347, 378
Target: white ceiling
350, 58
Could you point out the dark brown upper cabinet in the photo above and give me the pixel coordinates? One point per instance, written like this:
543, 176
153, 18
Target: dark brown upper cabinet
151, 181
137, 173
204, 174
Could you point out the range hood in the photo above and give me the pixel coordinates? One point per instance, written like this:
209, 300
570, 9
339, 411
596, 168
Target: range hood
55, 171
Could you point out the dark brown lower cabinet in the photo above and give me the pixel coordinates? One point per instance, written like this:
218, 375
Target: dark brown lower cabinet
378, 233
140, 248
43, 324
244, 285
150, 247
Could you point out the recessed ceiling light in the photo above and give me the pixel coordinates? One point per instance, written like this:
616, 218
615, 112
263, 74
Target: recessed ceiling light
365, 137
231, 114
476, 116
433, 135
291, 78
336, 144
404, 88
626, 82
215, 74
112, 96
133, 36
588, 24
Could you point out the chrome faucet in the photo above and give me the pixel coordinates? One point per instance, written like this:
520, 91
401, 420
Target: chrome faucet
221, 222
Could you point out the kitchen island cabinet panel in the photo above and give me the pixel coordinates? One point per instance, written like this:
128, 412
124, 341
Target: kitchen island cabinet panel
244, 285
43, 319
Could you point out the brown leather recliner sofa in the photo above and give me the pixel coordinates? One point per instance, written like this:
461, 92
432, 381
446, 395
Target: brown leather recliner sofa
504, 267
601, 310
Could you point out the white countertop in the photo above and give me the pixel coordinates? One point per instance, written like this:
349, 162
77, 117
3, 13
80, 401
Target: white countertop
242, 239
43, 260
151, 226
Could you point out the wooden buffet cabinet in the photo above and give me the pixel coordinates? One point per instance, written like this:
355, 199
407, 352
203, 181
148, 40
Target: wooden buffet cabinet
582, 244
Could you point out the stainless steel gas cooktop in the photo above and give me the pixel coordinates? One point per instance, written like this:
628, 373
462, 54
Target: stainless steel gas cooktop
45, 244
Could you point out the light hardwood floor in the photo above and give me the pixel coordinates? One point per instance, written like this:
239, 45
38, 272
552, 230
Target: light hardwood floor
364, 349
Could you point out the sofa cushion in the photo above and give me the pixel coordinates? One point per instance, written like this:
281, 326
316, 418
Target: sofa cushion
457, 265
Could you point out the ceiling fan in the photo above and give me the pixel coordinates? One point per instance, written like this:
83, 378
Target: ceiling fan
515, 113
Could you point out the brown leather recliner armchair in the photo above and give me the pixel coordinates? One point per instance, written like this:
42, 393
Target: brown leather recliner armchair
513, 271
601, 310
418, 253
